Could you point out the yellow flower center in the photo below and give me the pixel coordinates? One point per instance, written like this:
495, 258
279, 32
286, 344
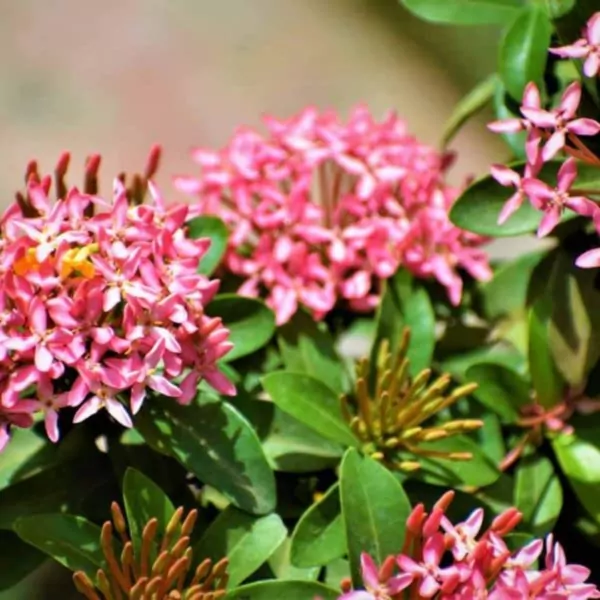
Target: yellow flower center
77, 261
26, 263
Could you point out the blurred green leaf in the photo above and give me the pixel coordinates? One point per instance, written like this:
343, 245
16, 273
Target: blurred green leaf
374, 509
290, 590
538, 494
217, 444
213, 228
464, 12
406, 303
250, 322
72, 541
307, 347
557, 8
144, 500
524, 51
500, 389
311, 402
18, 559
319, 536
246, 541
504, 110
476, 100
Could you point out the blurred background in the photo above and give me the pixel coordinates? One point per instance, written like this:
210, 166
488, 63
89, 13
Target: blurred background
118, 75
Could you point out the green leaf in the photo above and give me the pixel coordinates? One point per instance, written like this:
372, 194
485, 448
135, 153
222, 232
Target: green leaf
217, 444
538, 494
290, 590
464, 12
476, 100
504, 109
524, 50
247, 542
311, 402
478, 207
17, 558
282, 567
579, 459
213, 228
72, 541
501, 390
250, 322
319, 536
374, 509
406, 303
294, 447
557, 8
144, 500
307, 347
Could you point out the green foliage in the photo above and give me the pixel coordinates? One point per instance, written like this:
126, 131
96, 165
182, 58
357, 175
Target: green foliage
216, 231
464, 12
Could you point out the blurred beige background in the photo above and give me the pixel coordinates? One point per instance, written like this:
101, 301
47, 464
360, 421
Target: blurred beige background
118, 75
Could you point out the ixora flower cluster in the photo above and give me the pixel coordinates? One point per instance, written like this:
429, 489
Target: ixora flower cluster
550, 132
444, 561
321, 211
100, 301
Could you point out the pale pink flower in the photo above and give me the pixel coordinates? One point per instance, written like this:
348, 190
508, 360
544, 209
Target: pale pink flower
587, 47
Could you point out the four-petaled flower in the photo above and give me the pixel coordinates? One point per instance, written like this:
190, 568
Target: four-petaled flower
587, 47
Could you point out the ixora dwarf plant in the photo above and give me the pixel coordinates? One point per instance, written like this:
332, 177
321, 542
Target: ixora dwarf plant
197, 355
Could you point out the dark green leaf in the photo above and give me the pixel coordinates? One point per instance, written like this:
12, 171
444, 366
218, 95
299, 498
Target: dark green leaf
307, 347
72, 541
500, 389
503, 110
475, 101
406, 303
464, 12
374, 509
282, 567
319, 536
288, 590
144, 500
524, 51
246, 541
250, 322
17, 558
311, 402
216, 443
538, 494
557, 8
478, 207
213, 228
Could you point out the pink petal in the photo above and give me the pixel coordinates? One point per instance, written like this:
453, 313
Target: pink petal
399, 582
553, 145
433, 549
136, 397
78, 392
112, 297
592, 65
510, 207
429, 587
505, 176
567, 175
219, 382
163, 386
570, 100
531, 96
37, 316
506, 126
87, 409
549, 222
570, 51
51, 425
593, 29
538, 189
584, 127
540, 118
43, 358
582, 206
117, 411
369, 571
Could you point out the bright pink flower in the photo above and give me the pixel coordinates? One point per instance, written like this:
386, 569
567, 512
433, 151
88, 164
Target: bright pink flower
587, 47
320, 211
554, 201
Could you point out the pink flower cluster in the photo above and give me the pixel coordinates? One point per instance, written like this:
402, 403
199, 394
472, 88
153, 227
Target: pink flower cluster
100, 301
550, 132
475, 564
320, 211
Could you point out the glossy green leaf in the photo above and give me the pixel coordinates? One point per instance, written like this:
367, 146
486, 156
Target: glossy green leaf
524, 50
294, 447
17, 558
307, 347
288, 590
72, 541
557, 8
250, 322
506, 108
478, 207
579, 459
500, 389
475, 101
282, 567
464, 12
213, 228
310, 402
144, 500
319, 536
247, 541
538, 494
374, 509
217, 444
406, 303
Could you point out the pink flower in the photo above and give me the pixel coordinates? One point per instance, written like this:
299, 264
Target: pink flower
320, 211
509, 178
587, 47
554, 201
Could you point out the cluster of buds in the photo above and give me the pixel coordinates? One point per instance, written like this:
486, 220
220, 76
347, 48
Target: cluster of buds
161, 570
476, 564
391, 422
101, 301
321, 211
550, 132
